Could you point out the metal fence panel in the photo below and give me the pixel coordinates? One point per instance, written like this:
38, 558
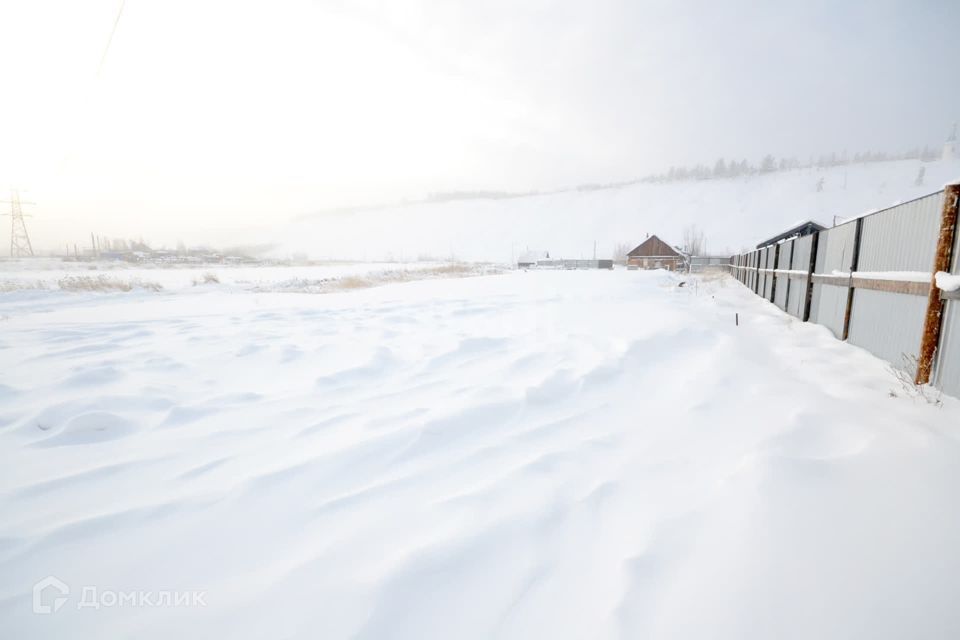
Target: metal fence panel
798, 284
768, 262
761, 258
801, 252
796, 296
783, 279
756, 274
902, 238
835, 249
708, 263
888, 325
831, 306
947, 375
947, 372
834, 254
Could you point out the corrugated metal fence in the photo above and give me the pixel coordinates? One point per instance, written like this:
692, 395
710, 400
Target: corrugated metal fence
869, 281
704, 263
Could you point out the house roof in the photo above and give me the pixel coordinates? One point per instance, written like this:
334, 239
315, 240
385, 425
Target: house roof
653, 247
533, 256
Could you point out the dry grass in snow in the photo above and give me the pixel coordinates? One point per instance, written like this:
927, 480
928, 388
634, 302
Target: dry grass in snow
105, 283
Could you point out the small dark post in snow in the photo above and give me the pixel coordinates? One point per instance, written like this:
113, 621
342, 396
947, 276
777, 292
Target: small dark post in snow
736, 319
941, 262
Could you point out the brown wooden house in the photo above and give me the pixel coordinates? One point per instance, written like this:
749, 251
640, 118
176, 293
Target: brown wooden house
654, 253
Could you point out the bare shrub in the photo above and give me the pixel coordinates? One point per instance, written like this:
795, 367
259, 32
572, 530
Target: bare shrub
104, 283
693, 240
7, 286
620, 251
906, 375
390, 276
353, 282
455, 268
207, 277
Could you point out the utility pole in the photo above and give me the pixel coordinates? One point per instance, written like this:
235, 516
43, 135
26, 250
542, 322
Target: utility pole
19, 239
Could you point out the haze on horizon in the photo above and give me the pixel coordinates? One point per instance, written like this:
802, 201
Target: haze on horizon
206, 117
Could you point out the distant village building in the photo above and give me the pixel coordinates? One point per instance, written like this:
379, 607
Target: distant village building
654, 253
532, 258
950, 146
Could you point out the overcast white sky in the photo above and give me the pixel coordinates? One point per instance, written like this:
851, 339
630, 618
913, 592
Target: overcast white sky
209, 115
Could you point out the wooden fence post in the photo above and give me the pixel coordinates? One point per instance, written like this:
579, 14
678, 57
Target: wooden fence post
854, 259
941, 262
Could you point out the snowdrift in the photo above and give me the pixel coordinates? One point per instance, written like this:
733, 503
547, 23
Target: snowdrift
529, 455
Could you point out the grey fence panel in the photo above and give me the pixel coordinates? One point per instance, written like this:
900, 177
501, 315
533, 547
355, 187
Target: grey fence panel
798, 284
771, 264
709, 263
888, 325
761, 259
763, 274
768, 256
796, 296
902, 238
754, 276
783, 279
835, 250
801, 252
834, 254
831, 307
947, 371
947, 375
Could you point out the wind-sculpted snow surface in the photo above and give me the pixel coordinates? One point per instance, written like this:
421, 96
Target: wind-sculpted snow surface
529, 455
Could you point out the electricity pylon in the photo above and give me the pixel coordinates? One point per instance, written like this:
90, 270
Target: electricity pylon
19, 238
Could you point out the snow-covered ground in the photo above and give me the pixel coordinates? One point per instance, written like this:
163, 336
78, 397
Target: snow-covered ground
527, 455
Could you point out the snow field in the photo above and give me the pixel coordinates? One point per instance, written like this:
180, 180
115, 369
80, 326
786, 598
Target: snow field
535, 454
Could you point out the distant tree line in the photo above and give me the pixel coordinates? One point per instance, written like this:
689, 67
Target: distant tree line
724, 168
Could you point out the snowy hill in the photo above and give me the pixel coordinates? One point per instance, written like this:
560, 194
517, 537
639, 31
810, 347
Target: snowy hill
734, 213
